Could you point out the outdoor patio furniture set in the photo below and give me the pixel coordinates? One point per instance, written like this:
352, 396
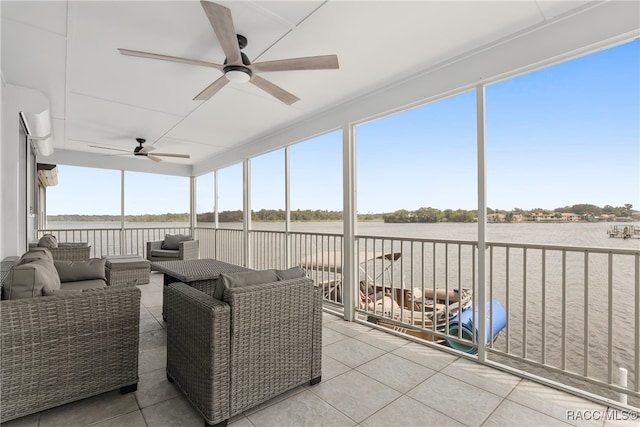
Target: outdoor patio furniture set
235, 337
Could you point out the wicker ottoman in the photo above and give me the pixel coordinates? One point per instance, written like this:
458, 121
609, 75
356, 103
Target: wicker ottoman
121, 269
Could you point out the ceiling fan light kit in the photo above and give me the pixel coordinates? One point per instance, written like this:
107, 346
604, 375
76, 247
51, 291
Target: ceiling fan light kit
236, 67
237, 73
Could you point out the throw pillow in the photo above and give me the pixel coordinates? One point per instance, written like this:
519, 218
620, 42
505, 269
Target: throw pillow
171, 241
292, 273
245, 278
48, 241
31, 279
74, 271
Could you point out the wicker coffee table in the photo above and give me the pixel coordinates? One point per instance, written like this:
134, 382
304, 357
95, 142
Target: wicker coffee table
200, 274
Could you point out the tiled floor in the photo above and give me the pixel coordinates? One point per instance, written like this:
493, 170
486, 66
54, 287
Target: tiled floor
369, 378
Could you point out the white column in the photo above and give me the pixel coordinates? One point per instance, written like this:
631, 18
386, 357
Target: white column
123, 243
287, 207
482, 227
193, 219
350, 266
246, 202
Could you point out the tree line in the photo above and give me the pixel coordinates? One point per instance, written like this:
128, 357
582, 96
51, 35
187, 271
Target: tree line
421, 215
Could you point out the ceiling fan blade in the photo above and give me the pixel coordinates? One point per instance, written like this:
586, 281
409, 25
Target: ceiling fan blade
212, 89
222, 23
146, 149
170, 58
326, 62
274, 90
109, 148
154, 158
182, 156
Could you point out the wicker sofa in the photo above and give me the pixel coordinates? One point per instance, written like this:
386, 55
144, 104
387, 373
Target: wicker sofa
68, 251
256, 342
76, 342
173, 248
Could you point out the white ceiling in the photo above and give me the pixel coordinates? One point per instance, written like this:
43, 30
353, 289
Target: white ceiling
68, 51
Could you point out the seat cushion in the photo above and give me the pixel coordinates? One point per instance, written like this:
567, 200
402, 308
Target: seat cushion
245, 278
81, 285
165, 253
73, 271
172, 241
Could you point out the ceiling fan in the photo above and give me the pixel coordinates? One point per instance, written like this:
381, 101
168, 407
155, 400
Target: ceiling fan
236, 66
144, 151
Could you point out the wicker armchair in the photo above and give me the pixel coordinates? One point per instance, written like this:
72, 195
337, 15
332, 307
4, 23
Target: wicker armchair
68, 251
228, 356
62, 348
188, 249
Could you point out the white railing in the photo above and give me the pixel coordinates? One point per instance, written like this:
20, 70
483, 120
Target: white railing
572, 313
114, 241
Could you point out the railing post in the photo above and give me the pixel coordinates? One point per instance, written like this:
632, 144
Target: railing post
482, 226
350, 262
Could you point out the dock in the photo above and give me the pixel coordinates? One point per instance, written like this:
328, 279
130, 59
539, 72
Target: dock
624, 231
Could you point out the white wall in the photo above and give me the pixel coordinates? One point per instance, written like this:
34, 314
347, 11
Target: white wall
13, 166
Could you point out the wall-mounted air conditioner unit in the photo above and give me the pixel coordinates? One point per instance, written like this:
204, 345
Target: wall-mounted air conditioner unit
38, 129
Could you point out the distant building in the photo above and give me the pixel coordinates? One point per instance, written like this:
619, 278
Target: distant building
496, 217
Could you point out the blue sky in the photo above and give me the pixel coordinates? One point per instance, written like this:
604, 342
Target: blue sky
559, 136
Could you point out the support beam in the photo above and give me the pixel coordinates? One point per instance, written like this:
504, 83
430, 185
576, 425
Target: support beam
246, 208
482, 226
349, 213
287, 207
193, 218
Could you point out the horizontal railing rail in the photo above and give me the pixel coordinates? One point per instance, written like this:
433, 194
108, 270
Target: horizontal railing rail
572, 313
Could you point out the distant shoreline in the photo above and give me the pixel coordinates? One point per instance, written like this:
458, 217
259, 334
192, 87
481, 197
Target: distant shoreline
575, 213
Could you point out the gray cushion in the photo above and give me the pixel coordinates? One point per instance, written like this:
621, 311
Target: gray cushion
73, 271
84, 284
245, 278
171, 241
48, 241
31, 279
165, 253
292, 273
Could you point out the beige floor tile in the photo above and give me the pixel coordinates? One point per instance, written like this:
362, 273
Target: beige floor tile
89, 411
149, 324
27, 421
352, 352
347, 328
458, 400
176, 412
355, 395
396, 372
302, 409
382, 340
406, 411
332, 368
153, 339
132, 419
508, 413
425, 356
152, 359
329, 336
154, 387
484, 377
555, 403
